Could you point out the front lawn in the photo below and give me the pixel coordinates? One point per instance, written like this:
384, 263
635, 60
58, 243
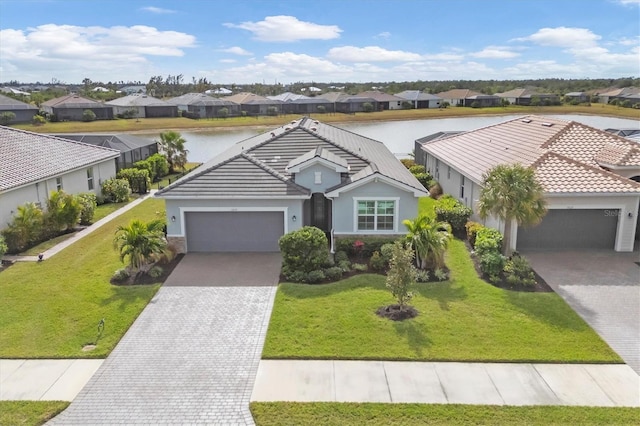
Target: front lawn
463, 319
333, 413
31, 413
51, 309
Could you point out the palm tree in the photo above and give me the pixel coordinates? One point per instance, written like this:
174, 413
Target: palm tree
429, 239
140, 244
512, 192
171, 144
27, 224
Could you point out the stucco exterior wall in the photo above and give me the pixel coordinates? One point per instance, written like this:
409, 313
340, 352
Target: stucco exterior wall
307, 178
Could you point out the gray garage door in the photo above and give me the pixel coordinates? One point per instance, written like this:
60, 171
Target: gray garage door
572, 229
233, 231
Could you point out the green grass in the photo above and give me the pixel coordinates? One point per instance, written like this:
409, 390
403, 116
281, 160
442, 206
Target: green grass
318, 414
172, 177
29, 413
104, 210
51, 309
46, 245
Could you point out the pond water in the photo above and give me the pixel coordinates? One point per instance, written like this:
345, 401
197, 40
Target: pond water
398, 136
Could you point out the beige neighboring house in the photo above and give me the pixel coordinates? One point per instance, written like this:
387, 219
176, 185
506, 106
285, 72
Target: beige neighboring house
591, 178
32, 165
456, 97
140, 105
385, 101
610, 95
525, 96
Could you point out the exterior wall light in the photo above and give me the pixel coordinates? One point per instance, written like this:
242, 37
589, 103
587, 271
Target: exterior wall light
294, 218
173, 218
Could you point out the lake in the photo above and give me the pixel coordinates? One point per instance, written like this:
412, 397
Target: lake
398, 136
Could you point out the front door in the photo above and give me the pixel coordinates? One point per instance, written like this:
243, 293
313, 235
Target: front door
320, 212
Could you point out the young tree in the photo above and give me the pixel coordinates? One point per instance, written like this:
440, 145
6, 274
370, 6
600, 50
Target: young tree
171, 145
512, 192
429, 239
402, 274
140, 244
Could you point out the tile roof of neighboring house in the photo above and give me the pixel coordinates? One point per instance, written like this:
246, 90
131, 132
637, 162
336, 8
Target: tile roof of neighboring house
437, 135
138, 99
199, 99
7, 103
73, 101
546, 144
522, 93
27, 157
622, 91
122, 142
288, 96
417, 95
278, 148
244, 98
458, 94
379, 96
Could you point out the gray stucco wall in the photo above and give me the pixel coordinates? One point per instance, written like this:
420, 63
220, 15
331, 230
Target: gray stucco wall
306, 178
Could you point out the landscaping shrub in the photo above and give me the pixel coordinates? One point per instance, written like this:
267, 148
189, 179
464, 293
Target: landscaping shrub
334, 273
452, 211
492, 263
360, 267
3, 247
315, 277
441, 274
422, 276
472, 229
139, 180
417, 169
402, 274
377, 262
435, 190
488, 240
425, 179
88, 203
304, 249
120, 275
386, 251
116, 190
63, 213
345, 265
88, 115
341, 256
155, 271
408, 162
7, 117
38, 120
371, 245
160, 165
297, 277
25, 228
517, 271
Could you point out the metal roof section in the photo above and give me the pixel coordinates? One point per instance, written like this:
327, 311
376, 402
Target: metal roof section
7, 103
122, 142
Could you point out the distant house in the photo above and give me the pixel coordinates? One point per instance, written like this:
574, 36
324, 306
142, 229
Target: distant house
482, 101
632, 134
526, 96
577, 97
139, 105
420, 99
24, 112
385, 101
204, 106
132, 148
311, 89
32, 165
100, 89
71, 108
300, 104
129, 90
612, 94
221, 91
456, 97
14, 91
349, 104
254, 104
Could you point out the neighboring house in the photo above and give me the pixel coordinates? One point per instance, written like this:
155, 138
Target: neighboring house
456, 97
130, 90
482, 101
100, 89
588, 175
32, 165
385, 101
254, 104
23, 111
132, 148
420, 99
525, 96
139, 105
631, 134
221, 91
612, 94
300, 104
71, 108
304, 173
205, 106
14, 91
577, 96
349, 104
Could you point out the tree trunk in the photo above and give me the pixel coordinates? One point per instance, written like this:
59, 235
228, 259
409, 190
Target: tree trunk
506, 240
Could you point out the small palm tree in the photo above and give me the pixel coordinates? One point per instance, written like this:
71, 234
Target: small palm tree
171, 144
429, 238
27, 223
512, 192
140, 244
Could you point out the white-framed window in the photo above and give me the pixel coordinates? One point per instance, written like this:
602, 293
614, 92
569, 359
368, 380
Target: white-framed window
462, 182
58, 183
318, 177
90, 178
376, 214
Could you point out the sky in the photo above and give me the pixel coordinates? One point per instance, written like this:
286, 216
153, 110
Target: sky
287, 41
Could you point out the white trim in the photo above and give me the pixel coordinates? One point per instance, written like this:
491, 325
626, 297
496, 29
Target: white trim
375, 177
231, 197
315, 160
396, 207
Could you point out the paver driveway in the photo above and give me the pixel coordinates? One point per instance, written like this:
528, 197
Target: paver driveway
603, 287
191, 357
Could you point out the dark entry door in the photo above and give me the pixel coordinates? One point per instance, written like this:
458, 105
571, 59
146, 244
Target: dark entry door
320, 212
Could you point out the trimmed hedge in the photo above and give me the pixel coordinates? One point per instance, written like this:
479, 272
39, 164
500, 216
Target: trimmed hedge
370, 245
452, 211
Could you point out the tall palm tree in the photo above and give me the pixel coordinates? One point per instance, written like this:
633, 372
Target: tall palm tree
429, 238
512, 192
139, 244
171, 144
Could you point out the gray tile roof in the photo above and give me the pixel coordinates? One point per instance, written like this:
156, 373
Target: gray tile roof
138, 99
7, 103
122, 142
73, 101
278, 148
199, 99
417, 95
319, 152
27, 157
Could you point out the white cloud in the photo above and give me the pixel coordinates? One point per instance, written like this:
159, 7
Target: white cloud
562, 37
228, 61
284, 28
496, 52
443, 57
385, 35
629, 2
370, 54
157, 10
236, 51
630, 41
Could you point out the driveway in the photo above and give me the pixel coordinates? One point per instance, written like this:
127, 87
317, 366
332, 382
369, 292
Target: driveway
603, 287
192, 355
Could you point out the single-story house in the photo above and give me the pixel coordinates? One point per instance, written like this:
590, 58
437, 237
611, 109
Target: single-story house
221, 91
132, 148
612, 94
23, 111
293, 103
577, 96
385, 101
254, 104
129, 90
420, 99
589, 177
349, 104
456, 97
139, 105
71, 108
205, 106
303, 173
482, 101
32, 165
526, 96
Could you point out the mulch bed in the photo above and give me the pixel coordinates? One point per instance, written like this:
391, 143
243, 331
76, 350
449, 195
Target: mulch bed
394, 313
541, 285
167, 269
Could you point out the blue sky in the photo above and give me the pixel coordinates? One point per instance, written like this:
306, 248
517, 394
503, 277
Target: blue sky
318, 41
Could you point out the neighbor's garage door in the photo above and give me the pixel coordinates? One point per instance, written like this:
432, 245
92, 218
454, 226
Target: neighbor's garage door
233, 231
572, 229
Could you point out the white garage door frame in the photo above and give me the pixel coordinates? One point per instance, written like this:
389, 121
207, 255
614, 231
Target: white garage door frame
185, 210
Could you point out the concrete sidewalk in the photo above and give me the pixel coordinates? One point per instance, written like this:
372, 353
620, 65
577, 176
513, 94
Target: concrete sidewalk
45, 379
447, 383
81, 234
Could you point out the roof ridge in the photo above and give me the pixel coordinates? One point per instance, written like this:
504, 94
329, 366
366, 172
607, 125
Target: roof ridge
366, 160
557, 136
